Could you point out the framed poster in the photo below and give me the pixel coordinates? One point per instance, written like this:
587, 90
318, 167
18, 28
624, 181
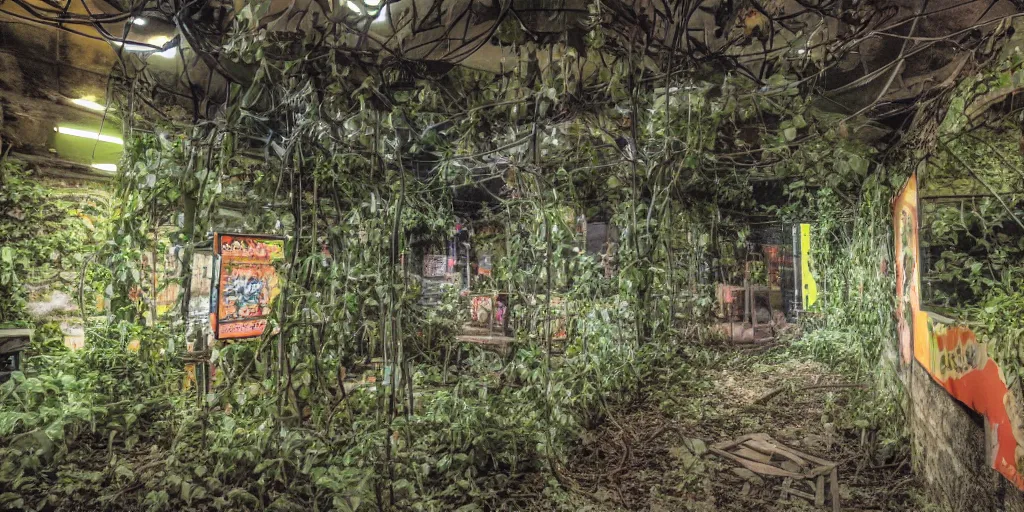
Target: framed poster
246, 282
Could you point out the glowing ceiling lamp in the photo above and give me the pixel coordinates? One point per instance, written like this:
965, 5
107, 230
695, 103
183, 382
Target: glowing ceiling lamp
75, 132
105, 167
141, 22
89, 104
155, 41
364, 6
161, 41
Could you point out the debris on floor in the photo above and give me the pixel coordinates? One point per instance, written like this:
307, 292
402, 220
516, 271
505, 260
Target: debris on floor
761, 456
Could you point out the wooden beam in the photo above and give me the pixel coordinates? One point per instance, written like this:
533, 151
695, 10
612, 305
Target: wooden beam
58, 168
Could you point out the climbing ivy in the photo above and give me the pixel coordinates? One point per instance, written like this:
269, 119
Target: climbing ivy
361, 163
49, 233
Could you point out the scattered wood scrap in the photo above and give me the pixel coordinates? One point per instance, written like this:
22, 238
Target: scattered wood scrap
765, 456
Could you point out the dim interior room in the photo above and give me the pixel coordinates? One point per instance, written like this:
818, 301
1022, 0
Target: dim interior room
511, 255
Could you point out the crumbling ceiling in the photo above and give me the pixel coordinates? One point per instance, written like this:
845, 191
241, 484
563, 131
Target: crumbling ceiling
873, 58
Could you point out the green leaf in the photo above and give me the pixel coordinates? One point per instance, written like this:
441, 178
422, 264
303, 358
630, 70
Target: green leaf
243, 496
124, 472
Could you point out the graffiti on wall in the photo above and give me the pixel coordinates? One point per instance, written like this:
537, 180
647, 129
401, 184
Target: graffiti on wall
951, 353
908, 278
959, 362
247, 283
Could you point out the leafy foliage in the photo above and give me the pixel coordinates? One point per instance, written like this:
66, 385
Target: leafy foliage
364, 169
48, 234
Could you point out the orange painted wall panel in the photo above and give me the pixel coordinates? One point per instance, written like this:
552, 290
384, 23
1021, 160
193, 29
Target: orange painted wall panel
951, 353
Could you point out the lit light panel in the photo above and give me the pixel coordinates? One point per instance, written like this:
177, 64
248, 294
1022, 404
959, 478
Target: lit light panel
89, 104
75, 132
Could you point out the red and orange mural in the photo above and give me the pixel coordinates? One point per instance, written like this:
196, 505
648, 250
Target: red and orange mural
246, 284
950, 353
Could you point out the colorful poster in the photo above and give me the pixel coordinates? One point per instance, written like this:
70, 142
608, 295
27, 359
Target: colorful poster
951, 353
481, 310
247, 282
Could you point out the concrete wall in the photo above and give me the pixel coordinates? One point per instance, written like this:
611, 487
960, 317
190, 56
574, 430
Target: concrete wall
949, 451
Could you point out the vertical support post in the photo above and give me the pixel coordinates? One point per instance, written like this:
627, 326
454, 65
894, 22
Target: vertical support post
796, 267
747, 298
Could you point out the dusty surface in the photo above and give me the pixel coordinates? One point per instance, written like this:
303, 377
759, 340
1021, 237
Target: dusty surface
654, 455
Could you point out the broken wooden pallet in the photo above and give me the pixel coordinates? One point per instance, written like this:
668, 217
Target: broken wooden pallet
766, 456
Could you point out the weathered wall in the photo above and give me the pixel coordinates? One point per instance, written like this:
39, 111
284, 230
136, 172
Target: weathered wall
949, 448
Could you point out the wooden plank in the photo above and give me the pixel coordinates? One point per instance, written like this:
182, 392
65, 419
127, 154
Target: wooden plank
486, 340
756, 467
59, 168
725, 445
16, 333
820, 470
834, 483
805, 495
783, 449
805, 455
819, 492
769, 447
753, 455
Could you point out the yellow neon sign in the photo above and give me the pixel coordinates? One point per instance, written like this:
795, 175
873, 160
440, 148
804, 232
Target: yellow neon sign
810, 287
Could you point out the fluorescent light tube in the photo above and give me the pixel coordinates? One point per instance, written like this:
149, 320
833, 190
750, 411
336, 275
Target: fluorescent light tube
89, 104
75, 132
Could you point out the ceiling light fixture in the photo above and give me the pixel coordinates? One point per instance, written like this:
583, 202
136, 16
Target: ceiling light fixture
89, 104
139, 21
75, 132
169, 53
105, 167
153, 45
364, 6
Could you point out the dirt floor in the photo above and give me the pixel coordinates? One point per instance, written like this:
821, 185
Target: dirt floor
658, 455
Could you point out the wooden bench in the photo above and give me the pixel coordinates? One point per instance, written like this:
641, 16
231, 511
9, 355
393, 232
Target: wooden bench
12, 343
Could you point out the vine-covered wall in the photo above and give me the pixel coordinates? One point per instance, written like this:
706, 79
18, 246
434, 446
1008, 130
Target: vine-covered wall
958, 233
50, 231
